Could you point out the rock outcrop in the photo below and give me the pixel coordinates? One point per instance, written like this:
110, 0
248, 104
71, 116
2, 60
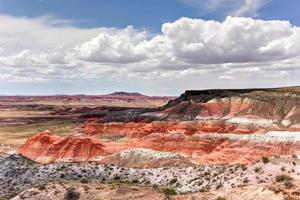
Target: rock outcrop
146, 158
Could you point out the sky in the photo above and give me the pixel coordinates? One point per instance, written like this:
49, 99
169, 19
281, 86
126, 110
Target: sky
156, 47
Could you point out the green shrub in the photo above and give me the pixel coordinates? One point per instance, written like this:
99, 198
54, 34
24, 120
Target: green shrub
289, 184
257, 169
71, 194
292, 170
221, 198
135, 181
41, 187
265, 159
173, 181
84, 180
282, 178
244, 167
169, 191
220, 185
205, 189
246, 180
206, 173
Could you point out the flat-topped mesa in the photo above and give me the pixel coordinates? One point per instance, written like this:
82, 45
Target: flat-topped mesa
203, 96
126, 94
279, 106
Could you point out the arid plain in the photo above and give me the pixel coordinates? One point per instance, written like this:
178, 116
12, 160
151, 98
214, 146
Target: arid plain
206, 144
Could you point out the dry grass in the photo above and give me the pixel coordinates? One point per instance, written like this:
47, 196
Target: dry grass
9, 113
15, 135
145, 103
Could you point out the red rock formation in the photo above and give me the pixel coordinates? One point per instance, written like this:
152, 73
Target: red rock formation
182, 126
201, 149
140, 129
260, 104
46, 147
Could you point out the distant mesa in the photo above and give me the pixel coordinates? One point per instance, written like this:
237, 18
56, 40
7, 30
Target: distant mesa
126, 94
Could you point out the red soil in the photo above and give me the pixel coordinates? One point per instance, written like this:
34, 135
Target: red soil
140, 129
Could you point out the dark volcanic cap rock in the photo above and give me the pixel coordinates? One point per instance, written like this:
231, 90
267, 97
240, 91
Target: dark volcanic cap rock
209, 94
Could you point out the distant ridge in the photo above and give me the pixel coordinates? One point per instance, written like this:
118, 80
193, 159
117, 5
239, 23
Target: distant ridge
126, 94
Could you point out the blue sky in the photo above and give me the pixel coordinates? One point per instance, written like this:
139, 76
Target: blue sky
149, 14
157, 47
114, 13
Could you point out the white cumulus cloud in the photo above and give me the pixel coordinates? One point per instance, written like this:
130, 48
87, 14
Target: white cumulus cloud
190, 49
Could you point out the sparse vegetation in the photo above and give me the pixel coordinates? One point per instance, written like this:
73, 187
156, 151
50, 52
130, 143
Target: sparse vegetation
257, 169
173, 181
17, 134
71, 194
289, 184
169, 191
178, 179
220, 185
84, 180
265, 159
204, 189
244, 167
282, 178
246, 180
135, 181
221, 198
41, 187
